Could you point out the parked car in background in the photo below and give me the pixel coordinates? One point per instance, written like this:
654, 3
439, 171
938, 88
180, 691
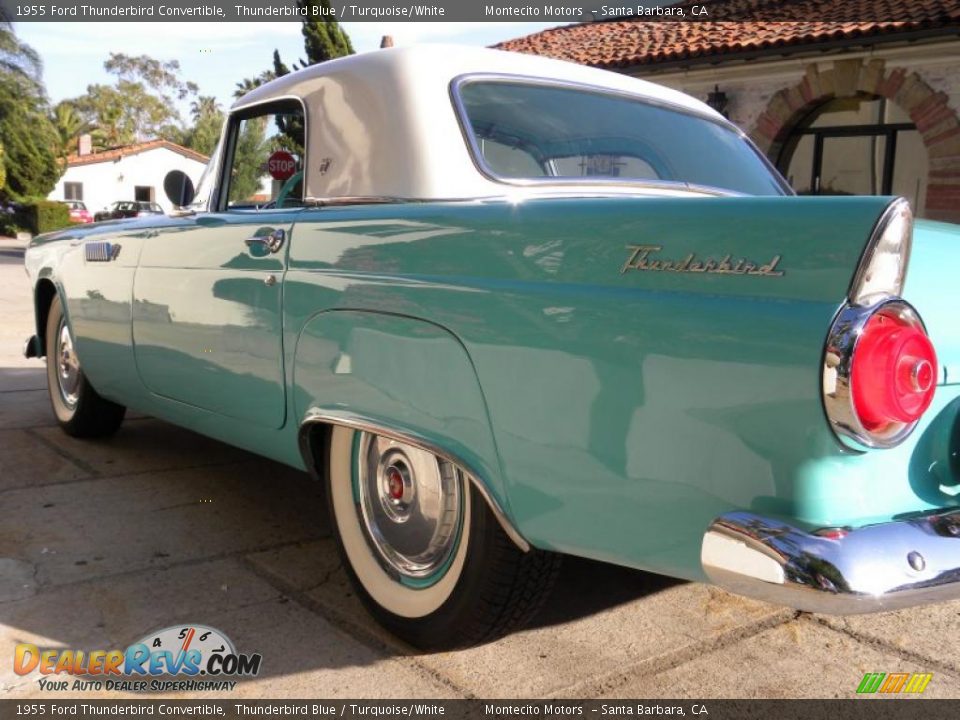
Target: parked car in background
79, 212
145, 209
507, 308
128, 209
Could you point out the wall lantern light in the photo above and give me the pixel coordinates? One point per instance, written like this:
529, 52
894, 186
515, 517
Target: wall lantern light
718, 100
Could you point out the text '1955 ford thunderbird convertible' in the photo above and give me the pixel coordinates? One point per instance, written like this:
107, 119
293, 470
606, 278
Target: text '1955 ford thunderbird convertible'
507, 308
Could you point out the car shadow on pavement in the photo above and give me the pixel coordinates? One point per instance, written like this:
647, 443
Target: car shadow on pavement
587, 587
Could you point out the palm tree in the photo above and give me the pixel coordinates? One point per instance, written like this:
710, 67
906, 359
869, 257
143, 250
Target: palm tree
18, 59
69, 126
109, 133
204, 106
248, 84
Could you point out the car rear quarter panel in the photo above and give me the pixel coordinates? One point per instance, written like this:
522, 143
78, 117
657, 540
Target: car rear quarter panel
628, 410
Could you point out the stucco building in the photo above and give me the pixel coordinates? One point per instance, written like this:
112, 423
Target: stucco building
851, 102
132, 172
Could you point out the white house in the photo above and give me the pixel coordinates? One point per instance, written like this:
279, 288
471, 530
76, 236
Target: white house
132, 172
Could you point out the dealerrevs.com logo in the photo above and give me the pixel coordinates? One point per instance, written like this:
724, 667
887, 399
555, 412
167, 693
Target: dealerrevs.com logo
179, 658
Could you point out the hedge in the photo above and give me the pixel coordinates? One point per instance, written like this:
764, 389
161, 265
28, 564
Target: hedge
36, 217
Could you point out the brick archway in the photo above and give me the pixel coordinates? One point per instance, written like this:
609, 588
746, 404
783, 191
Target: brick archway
930, 111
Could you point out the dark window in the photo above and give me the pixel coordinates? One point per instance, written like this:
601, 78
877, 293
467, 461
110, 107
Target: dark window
859, 145
73, 191
535, 130
143, 193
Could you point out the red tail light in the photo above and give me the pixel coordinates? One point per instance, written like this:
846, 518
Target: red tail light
893, 373
879, 375
879, 367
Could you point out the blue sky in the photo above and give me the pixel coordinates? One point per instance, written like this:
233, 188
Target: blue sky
217, 55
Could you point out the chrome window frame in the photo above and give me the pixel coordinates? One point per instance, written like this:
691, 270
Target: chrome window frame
476, 154
219, 198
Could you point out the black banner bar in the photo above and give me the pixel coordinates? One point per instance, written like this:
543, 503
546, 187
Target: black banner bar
927, 13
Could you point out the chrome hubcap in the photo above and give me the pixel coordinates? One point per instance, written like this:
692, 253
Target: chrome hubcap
409, 502
68, 367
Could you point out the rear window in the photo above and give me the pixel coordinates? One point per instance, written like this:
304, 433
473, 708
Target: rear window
527, 131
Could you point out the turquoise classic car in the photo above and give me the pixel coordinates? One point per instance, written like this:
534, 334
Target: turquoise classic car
505, 309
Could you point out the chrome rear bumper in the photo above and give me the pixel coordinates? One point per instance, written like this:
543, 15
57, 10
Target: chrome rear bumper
870, 569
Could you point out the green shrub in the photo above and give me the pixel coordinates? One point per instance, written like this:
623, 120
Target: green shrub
42, 216
9, 227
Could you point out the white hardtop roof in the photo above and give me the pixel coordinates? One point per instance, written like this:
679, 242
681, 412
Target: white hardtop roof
382, 124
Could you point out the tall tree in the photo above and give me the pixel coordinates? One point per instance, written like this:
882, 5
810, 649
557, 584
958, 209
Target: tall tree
141, 105
28, 137
249, 159
18, 59
323, 39
207, 121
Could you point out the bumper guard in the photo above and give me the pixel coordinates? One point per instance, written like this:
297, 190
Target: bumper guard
874, 568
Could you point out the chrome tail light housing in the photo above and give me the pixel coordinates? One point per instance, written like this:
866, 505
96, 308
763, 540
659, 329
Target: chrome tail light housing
880, 369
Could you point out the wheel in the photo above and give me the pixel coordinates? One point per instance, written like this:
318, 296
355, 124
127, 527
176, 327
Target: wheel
422, 548
80, 411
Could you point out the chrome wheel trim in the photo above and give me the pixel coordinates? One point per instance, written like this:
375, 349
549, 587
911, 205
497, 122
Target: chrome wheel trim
410, 503
68, 366
384, 588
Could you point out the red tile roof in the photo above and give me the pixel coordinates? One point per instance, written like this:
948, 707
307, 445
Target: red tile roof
121, 152
747, 26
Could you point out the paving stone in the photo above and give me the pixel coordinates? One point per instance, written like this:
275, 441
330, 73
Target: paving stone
599, 619
303, 655
16, 579
83, 530
25, 408
801, 659
929, 632
32, 377
144, 445
25, 461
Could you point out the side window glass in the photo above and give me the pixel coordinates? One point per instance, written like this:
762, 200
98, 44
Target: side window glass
265, 168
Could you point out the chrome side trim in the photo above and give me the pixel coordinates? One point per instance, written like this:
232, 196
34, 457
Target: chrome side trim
101, 251
890, 214
874, 568
845, 333
314, 417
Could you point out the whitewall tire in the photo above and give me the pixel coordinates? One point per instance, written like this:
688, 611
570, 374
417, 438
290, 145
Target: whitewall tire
425, 553
79, 410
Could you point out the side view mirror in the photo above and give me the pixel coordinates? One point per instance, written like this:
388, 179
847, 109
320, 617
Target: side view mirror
178, 188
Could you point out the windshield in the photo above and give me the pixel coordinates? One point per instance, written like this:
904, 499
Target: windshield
528, 131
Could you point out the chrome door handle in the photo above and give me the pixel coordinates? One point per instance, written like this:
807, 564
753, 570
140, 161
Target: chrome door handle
272, 242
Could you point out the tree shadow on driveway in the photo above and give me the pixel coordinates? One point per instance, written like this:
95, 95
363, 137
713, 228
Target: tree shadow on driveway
104, 541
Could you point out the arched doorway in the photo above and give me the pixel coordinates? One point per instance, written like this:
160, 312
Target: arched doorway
855, 127
859, 145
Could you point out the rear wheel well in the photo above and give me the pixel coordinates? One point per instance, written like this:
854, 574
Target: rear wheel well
45, 293
315, 448
314, 440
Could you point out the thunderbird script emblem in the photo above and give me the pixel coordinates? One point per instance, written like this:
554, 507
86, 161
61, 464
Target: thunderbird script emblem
646, 258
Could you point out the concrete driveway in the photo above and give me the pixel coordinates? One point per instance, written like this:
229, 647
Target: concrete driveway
102, 542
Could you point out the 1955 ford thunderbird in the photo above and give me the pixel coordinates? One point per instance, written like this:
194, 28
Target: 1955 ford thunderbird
507, 308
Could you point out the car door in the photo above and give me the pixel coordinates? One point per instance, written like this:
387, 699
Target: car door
208, 291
